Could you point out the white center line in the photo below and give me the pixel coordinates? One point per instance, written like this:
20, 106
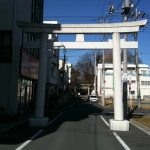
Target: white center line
104, 121
34, 136
121, 141
28, 141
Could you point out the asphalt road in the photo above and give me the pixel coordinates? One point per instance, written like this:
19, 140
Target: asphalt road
80, 126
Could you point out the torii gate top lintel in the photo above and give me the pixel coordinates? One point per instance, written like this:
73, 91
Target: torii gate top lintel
124, 27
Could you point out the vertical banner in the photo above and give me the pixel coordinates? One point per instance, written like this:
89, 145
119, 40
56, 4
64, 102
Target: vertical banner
29, 65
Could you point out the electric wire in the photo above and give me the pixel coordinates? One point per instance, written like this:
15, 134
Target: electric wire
88, 18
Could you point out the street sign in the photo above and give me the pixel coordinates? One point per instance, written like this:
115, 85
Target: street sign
124, 77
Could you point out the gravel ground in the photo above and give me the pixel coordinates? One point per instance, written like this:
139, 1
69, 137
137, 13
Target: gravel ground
142, 119
145, 120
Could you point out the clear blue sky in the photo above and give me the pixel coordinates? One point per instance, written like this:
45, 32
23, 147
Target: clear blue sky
88, 12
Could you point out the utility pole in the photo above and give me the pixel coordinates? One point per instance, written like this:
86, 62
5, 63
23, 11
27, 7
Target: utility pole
125, 7
102, 80
64, 75
103, 77
136, 15
95, 71
137, 66
137, 74
126, 10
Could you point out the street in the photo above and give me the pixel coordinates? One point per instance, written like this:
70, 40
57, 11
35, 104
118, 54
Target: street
80, 126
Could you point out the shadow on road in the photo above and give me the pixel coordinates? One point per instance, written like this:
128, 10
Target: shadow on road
81, 110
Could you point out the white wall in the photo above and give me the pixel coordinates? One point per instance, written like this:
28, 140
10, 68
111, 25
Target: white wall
145, 89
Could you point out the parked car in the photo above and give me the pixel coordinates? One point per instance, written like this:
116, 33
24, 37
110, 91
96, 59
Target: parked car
92, 98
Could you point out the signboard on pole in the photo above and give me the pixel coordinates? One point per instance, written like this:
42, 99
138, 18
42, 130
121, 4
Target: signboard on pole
124, 77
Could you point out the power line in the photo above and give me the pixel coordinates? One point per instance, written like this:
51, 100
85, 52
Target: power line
74, 16
103, 7
73, 5
71, 56
132, 10
144, 53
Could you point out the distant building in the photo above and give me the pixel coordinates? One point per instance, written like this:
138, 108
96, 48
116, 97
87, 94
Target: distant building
65, 74
132, 82
52, 78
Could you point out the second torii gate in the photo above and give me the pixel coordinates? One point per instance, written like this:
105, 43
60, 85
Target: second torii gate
118, 123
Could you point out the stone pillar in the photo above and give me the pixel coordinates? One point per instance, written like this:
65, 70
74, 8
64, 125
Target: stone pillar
118, 123
118, 103
39, 120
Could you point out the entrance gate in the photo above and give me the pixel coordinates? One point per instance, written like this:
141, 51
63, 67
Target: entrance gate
118, 123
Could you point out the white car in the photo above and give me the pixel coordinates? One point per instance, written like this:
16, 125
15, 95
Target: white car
92, 98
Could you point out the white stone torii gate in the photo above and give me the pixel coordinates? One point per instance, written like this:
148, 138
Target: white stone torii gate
118, 123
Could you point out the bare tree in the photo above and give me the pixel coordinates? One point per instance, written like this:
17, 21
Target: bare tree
109, 57
75, 76
85, 65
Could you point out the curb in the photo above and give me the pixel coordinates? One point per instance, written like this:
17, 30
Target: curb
140, 126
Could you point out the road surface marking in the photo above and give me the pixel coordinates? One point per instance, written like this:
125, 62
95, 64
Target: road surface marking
34, 136
55, 118
72, 104
28, 141
140, 126
121, 141
54, 111
104, 121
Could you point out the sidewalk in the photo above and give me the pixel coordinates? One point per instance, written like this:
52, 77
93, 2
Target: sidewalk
7, 122
10, 122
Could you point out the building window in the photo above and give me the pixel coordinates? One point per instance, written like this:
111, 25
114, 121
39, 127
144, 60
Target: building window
132, 92
53, 70
34, 52
37, 11
5, 46
132, 72
142, 82
54, 52
146, 83
143, 72
133, 81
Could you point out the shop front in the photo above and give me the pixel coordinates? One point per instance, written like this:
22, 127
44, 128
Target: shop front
27, 83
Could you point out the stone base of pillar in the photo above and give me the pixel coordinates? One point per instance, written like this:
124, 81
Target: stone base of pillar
116, 125
38, 122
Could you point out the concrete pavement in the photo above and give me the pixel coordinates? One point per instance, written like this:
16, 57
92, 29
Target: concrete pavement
79, 127
23, 117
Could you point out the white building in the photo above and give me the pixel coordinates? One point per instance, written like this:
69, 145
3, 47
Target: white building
144, 78
66, 73
52, 78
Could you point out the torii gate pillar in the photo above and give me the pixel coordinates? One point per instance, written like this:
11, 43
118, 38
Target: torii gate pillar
118, 123
39, 120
